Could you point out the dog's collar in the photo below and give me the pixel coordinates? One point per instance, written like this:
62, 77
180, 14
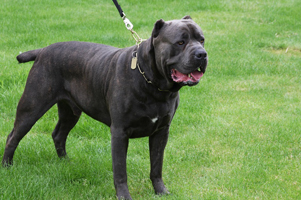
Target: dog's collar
135, 65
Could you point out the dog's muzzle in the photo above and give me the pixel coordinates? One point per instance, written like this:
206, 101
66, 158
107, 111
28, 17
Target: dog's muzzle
194, 77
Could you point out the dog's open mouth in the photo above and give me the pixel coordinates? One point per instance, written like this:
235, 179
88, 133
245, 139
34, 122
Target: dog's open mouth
190, 79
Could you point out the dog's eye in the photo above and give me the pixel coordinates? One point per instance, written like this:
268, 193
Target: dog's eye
181, 42
202, 41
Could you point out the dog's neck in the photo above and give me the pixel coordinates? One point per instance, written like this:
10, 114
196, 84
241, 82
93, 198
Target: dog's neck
149, 70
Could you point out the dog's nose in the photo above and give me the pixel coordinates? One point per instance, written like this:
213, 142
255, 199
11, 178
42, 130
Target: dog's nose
200, 54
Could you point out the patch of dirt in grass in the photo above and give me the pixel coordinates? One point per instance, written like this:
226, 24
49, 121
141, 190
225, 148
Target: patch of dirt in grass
289, 51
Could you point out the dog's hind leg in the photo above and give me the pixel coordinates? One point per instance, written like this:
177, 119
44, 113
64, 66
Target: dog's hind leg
28, 112
39, 95
68, 117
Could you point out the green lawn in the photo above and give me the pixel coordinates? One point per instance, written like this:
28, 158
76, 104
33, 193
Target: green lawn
235, 136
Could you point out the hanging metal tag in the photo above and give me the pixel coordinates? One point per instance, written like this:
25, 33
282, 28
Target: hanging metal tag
134, 61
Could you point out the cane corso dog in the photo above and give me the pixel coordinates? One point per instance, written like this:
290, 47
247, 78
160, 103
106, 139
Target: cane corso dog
133, 90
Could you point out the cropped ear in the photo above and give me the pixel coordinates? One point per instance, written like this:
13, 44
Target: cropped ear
187, 17
158, 25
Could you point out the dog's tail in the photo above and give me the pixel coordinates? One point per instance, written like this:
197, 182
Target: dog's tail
28, 56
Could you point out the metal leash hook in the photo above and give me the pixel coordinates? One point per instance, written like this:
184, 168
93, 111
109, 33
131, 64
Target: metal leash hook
130, 27
138, 40
127, 22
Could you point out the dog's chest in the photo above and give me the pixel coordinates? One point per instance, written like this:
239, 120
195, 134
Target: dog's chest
146, 119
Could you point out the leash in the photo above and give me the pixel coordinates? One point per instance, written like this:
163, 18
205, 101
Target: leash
128, 24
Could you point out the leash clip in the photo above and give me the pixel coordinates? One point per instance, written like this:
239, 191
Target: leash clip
127, 23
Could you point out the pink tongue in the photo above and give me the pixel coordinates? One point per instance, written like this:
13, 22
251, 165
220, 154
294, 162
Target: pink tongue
179, 77
196, 75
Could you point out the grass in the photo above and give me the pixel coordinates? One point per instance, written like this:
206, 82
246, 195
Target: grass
235, 136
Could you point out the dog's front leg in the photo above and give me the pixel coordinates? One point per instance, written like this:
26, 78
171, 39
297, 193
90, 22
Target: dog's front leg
157, 143
119, 145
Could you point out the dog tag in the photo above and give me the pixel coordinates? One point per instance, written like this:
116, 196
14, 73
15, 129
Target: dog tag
134, 63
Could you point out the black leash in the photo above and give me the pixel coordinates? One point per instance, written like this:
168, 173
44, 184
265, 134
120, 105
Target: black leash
130, 26
127, 23
119, 8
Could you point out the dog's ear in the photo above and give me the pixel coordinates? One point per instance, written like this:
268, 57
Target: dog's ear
187, 17
158, 25
156, 31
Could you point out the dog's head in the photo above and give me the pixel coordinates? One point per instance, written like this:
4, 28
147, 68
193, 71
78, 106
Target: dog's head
179, 51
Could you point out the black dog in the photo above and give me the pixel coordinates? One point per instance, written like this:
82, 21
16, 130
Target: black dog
98, 80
